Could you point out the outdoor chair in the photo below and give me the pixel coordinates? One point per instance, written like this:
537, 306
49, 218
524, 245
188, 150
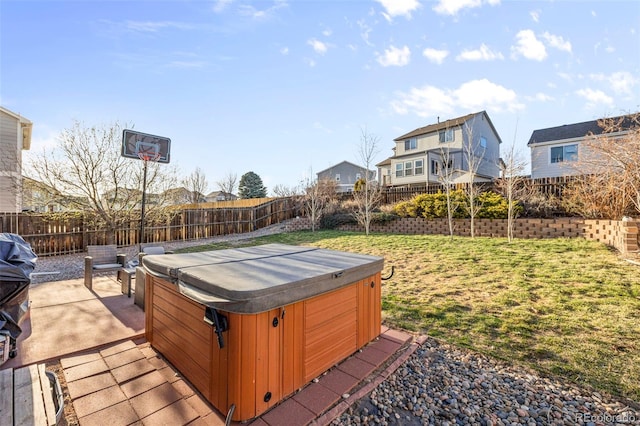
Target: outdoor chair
101, 259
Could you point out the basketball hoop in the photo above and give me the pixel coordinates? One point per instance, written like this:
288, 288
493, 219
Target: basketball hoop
149, 156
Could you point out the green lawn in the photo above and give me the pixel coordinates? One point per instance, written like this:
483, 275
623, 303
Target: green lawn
566, 307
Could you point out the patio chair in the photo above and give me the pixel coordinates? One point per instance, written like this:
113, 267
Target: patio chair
101, 259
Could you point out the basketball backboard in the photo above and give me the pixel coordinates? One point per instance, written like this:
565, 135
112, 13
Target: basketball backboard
146, 147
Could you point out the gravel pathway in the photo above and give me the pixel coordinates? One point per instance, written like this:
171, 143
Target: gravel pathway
444, 385
71, 266
439, 384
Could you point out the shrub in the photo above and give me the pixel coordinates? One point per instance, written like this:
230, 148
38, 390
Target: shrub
493, 206
332, 221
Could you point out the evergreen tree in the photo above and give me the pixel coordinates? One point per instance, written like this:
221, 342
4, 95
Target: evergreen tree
251, 186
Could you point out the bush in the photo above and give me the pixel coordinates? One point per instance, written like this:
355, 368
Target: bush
432, 206
332, 221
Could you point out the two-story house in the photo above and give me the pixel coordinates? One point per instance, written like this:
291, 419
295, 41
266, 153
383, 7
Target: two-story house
345, 174
15, 135
555, 151
458, 148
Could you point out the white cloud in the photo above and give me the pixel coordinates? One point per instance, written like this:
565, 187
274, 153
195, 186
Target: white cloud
327, 32
452, 7
365, 30
310, 62
484, 53
473, 95
535, 15
261, 14
284, 51
528, 46
557, 41
186, 64
220, 5
394, 56
594, 97
434, 55
155, 26
540, 97
395, 8
622, 82
319, 47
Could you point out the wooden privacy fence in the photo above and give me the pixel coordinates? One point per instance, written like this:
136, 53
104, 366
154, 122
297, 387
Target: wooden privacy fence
56, 235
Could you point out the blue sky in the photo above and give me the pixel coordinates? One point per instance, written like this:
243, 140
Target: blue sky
281, 87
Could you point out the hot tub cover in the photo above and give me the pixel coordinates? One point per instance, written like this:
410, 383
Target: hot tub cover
260, 278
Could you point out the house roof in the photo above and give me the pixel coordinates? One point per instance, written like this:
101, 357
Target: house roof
577, 130
442, 125
344, 162
27, 126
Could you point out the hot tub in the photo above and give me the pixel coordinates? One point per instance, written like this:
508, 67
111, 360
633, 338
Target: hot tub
250, 326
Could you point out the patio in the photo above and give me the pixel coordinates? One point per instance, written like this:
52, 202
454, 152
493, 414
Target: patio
111, 375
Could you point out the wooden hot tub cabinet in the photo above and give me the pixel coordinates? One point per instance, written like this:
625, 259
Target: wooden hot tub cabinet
269, 354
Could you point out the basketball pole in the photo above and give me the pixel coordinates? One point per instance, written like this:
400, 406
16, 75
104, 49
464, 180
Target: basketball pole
144, 198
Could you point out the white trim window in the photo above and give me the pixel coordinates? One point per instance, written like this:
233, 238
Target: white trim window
337, 177
419, 167
410, 144
358, 176
399, 169
446, 135
564, 153
483, 142
408, 168
435, 167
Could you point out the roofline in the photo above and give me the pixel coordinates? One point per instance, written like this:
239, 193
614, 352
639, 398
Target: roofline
453, 122
27, 127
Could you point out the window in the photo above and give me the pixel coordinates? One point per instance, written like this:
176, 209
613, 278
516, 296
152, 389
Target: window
435, 167
358, 176
408, 168
399, 170
483, 142
337, 177
419, 167
410, 144
564, 153
446, 135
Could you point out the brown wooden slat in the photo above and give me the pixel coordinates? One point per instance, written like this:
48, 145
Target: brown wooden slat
6, 396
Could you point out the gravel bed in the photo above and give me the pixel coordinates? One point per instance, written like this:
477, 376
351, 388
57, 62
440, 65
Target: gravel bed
71, 266
445, 385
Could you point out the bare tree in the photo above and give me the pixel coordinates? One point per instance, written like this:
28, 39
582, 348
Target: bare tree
228, 184
317, 194
368, 198
611, 188
196, 184
473, 153
513, 185
86, 167
446, 176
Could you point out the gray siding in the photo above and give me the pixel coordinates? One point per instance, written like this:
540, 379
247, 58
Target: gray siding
10, 163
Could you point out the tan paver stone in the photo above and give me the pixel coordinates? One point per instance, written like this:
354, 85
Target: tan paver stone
200, 405
125, 357
169, 374
79, 359
120, 347
154, 400
178, 413
183, 388
98, 401
142, 384
132, 370
115, 415
82, 387
85, 370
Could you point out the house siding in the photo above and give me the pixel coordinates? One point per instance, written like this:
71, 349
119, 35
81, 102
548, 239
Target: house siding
348, 175
10, 163
429, 147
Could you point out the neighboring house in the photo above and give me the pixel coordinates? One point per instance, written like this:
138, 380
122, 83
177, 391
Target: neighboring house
345, 175
182, 195
38, 197
419, 156
15, 135
215, 196
555, 151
